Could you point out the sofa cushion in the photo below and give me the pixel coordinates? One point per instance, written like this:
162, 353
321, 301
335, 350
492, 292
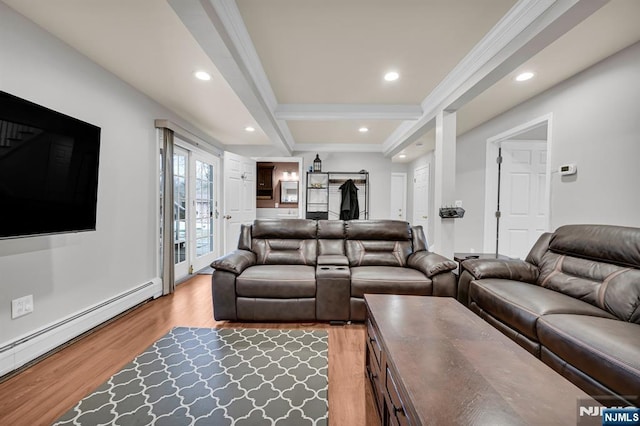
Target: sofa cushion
610, 287
277, 281
378, 252
284, 251
606, 349
388, 280
396, 230
519, 304
619, 245
302, 229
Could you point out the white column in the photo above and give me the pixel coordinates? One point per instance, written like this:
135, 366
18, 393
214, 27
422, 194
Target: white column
444, 182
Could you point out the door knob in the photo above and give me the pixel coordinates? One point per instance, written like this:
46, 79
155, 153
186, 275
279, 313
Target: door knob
227, 216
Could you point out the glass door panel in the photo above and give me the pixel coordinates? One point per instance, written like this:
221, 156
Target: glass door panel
180, 206
205, 212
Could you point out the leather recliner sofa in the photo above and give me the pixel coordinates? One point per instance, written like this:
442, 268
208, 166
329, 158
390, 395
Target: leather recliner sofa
308, 270
574, 302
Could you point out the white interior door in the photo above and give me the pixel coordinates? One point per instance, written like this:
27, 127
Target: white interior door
421, 198
239, 196
522, 196
398, 206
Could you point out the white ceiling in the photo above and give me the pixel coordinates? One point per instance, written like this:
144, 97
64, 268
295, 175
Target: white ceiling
308, 74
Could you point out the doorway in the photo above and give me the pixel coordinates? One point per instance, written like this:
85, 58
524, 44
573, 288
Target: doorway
239, 196
195, 213
398, 205
518, 183
421, 177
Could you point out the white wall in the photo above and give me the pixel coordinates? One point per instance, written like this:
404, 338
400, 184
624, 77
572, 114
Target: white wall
596, 124
68, 273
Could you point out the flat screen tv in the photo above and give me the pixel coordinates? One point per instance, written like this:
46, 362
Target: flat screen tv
48, 170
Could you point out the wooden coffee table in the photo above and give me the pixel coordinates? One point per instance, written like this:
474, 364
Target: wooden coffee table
432, 361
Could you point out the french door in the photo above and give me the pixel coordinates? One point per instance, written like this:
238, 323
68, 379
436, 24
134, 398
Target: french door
196, 233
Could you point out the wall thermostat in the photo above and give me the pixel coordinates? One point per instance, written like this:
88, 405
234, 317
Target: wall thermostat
568, 169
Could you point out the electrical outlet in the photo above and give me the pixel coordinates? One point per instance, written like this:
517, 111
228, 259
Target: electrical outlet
21, 306
458, 203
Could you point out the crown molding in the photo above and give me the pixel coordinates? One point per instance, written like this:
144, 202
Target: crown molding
218, 28
529, 27
347, 112
337, 147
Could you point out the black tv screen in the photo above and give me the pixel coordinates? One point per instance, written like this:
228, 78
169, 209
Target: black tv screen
48, 170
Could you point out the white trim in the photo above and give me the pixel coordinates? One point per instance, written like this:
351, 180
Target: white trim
231, 18
336, 147
218, 28
26, 348
529, 27
347, 112
187, 136
491, 176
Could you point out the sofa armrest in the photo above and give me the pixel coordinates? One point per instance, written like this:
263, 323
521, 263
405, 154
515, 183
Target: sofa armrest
509, 269
235, 262
430, 263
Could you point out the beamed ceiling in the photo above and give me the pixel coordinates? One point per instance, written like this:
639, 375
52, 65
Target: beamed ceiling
308, 74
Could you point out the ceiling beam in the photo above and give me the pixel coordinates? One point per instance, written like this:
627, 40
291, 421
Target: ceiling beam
529, 27
337, 147
347, 112
219, 30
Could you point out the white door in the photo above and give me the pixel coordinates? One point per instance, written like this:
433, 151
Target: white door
421, 198
194, 213
204, 212
239, 196
522, 196
398, 207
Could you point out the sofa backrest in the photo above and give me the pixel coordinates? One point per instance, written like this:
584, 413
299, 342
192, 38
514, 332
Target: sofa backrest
330, 237
599, 264
288, 242
377, 242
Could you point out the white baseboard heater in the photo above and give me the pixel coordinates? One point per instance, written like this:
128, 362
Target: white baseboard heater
16, 353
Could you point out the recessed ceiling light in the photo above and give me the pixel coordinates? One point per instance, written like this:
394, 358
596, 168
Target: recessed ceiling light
391, 76
250, 129
363, 129
402, 156
202, 75
525, 76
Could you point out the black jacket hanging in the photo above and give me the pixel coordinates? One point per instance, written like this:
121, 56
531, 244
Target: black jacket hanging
349, 208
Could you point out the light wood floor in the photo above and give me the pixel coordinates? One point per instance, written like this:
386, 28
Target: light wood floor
45, 391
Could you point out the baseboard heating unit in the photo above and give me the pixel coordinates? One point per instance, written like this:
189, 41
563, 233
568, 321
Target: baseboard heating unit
16, 353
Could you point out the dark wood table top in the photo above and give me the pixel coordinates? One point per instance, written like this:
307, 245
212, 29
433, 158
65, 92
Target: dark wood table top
460, 257
457, 369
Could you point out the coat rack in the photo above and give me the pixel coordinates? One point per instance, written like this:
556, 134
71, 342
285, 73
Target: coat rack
324, 197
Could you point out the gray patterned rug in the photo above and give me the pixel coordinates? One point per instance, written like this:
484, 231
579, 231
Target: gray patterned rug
202, 376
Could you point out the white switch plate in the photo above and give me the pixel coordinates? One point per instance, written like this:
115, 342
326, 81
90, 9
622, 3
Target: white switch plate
21, 306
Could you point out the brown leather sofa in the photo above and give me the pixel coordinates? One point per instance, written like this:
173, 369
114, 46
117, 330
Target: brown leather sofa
574, 302
308, 270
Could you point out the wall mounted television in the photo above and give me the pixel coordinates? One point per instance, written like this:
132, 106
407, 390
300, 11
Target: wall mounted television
48, 170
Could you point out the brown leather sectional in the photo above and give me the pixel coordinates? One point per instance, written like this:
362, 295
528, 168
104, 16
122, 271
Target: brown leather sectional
574, 302
308, 270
